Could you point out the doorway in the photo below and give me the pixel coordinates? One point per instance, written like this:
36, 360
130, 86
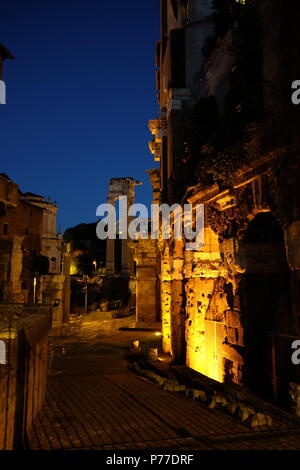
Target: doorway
265, 308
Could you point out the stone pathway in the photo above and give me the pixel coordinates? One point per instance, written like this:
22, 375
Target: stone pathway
94, 402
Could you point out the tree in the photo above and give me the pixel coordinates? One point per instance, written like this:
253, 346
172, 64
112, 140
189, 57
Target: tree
85, 265
40, 264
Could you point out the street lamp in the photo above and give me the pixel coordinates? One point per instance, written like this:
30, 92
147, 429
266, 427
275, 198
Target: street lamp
86, 280
34, 290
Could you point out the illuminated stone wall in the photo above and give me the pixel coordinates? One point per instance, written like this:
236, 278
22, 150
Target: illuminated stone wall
204, 313
209, 296
147, 276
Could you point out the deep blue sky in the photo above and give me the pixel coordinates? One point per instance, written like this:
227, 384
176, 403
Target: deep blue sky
79, 95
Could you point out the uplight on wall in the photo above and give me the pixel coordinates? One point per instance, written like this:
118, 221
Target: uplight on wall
3, 352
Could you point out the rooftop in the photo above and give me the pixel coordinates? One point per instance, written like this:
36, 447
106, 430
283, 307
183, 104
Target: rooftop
4, 53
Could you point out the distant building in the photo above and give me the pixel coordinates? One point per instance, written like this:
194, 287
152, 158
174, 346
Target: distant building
27, 230
51, 241
227, 136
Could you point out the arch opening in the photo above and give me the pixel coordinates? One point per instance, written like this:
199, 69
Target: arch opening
265, 293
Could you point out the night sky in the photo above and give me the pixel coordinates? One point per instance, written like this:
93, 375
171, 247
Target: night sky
79, 95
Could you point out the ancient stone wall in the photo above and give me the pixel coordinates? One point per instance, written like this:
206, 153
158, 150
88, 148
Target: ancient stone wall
147, 275
23, 377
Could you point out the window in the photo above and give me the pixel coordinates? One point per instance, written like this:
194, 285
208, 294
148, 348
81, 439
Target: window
5, 229
53, 264
183, 12
2, 352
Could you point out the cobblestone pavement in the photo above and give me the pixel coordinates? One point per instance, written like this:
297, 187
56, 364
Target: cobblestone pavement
94, 402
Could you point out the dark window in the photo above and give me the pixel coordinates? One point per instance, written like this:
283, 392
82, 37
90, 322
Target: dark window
5, 229
26, 231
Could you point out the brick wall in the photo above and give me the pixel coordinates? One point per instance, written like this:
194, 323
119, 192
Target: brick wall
23, 378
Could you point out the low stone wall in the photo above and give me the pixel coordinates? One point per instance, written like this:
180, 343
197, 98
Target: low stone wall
23, 377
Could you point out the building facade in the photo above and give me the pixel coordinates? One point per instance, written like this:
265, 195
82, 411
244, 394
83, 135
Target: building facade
226, 137
51, 240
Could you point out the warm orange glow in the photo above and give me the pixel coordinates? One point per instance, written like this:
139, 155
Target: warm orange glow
204, 354
73, 268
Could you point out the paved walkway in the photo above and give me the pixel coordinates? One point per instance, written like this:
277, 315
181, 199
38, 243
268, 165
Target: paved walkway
94, 402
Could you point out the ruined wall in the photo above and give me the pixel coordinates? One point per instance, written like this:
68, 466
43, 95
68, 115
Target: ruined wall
23, 378
232, 144
205, 307
165, 284
147, 275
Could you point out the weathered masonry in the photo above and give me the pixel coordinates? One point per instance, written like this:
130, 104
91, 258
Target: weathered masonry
227, 137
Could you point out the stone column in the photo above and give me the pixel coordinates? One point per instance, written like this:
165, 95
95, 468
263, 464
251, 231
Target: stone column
110, 250
166, 314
